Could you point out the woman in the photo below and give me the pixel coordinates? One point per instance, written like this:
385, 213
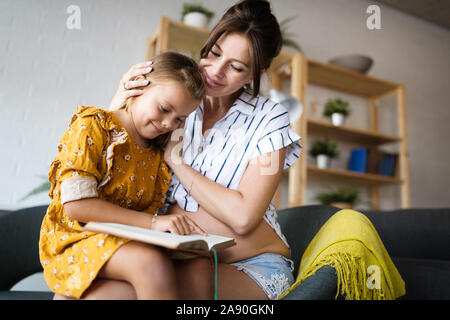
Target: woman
235, 147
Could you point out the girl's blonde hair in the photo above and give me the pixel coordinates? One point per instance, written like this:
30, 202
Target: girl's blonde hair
170, 67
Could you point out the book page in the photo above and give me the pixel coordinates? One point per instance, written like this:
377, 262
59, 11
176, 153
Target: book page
164, 239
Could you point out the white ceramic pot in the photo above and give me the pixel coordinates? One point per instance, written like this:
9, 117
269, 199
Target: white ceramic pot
337, 119
323, 161
196, 19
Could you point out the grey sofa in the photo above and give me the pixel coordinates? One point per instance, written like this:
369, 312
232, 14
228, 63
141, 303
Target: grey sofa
418, 240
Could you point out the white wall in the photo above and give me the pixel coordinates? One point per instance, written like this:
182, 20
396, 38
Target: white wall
46, 70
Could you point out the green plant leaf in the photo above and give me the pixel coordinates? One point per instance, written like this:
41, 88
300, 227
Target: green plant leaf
43, 187
288, 40
324, 147
343, 194
336, 106
194, 7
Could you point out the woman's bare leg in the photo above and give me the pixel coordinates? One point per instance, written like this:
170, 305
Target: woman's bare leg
195, 279
235, 284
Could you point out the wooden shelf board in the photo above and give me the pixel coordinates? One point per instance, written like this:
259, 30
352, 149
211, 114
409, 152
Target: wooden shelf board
284, 58
179, 36
354, 177
342, 79
357, 135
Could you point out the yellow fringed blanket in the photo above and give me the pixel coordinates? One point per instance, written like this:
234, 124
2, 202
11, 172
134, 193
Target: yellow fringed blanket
349, 243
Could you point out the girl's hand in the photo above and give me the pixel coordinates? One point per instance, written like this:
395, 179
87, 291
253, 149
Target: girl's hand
177, 223
134, 78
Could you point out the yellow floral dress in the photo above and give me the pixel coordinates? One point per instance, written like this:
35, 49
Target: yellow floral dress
96, 158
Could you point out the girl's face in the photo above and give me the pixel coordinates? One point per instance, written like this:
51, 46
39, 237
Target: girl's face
162, 108
227, 67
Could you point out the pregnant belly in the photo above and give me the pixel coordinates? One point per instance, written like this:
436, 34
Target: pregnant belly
262, 239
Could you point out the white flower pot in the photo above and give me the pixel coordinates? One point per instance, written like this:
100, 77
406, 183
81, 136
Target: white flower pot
337, 119
323, 161
196, 19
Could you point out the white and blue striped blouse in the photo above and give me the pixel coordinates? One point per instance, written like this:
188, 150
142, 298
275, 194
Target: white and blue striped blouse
251, 127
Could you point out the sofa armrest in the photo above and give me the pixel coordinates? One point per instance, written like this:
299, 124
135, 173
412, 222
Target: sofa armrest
320, 286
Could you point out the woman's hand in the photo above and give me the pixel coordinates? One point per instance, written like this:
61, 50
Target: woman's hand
131, 80
177, 223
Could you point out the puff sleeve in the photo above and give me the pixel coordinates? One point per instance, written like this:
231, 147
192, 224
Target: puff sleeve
277, 134
80, 152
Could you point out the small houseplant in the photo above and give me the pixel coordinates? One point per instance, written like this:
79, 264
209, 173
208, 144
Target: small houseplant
323, 151
336, 109
196, 15
288, 37
44, 186
344, 197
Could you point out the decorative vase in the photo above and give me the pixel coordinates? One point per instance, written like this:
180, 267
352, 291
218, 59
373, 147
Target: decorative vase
355, 62
196, 19
323, 161
342, 205
337, 119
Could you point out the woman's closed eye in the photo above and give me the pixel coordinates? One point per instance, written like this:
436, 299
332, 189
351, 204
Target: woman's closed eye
234, 67
216, 54
237, 68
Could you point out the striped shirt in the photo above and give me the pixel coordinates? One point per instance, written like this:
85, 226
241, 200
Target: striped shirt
251, 127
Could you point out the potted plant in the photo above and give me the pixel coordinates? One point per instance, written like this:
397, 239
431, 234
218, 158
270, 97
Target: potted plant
344, 197
323, 151
44, 186
337, 109
196, 15
288, 37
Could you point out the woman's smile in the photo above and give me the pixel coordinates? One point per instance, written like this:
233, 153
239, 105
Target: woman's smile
212, 83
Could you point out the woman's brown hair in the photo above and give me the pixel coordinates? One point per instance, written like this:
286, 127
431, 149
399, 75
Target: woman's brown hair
170, 67
254, 19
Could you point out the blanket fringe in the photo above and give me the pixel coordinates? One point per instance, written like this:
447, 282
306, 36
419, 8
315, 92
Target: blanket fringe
352, 277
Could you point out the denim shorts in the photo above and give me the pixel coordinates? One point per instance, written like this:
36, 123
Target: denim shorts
272, 272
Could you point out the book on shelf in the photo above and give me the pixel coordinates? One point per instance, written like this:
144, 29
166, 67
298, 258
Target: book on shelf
358, 160
388, 167
194, 243
382, 163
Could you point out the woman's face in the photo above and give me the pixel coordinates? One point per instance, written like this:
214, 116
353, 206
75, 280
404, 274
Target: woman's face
227, 67
162, 108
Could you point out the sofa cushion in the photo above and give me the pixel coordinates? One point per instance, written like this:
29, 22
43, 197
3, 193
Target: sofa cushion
26, 295
19, 252
424, 279
414, 233
300, 225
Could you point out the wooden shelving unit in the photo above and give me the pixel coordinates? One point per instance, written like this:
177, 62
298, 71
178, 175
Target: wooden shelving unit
304, 71
174, 35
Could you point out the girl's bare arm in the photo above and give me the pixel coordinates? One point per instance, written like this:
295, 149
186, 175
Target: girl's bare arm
94, 209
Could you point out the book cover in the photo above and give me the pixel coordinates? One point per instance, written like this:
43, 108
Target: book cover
358, 160
191, 243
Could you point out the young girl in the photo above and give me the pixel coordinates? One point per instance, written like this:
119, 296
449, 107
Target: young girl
110, 168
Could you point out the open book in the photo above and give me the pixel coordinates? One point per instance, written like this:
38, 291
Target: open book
192, 242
